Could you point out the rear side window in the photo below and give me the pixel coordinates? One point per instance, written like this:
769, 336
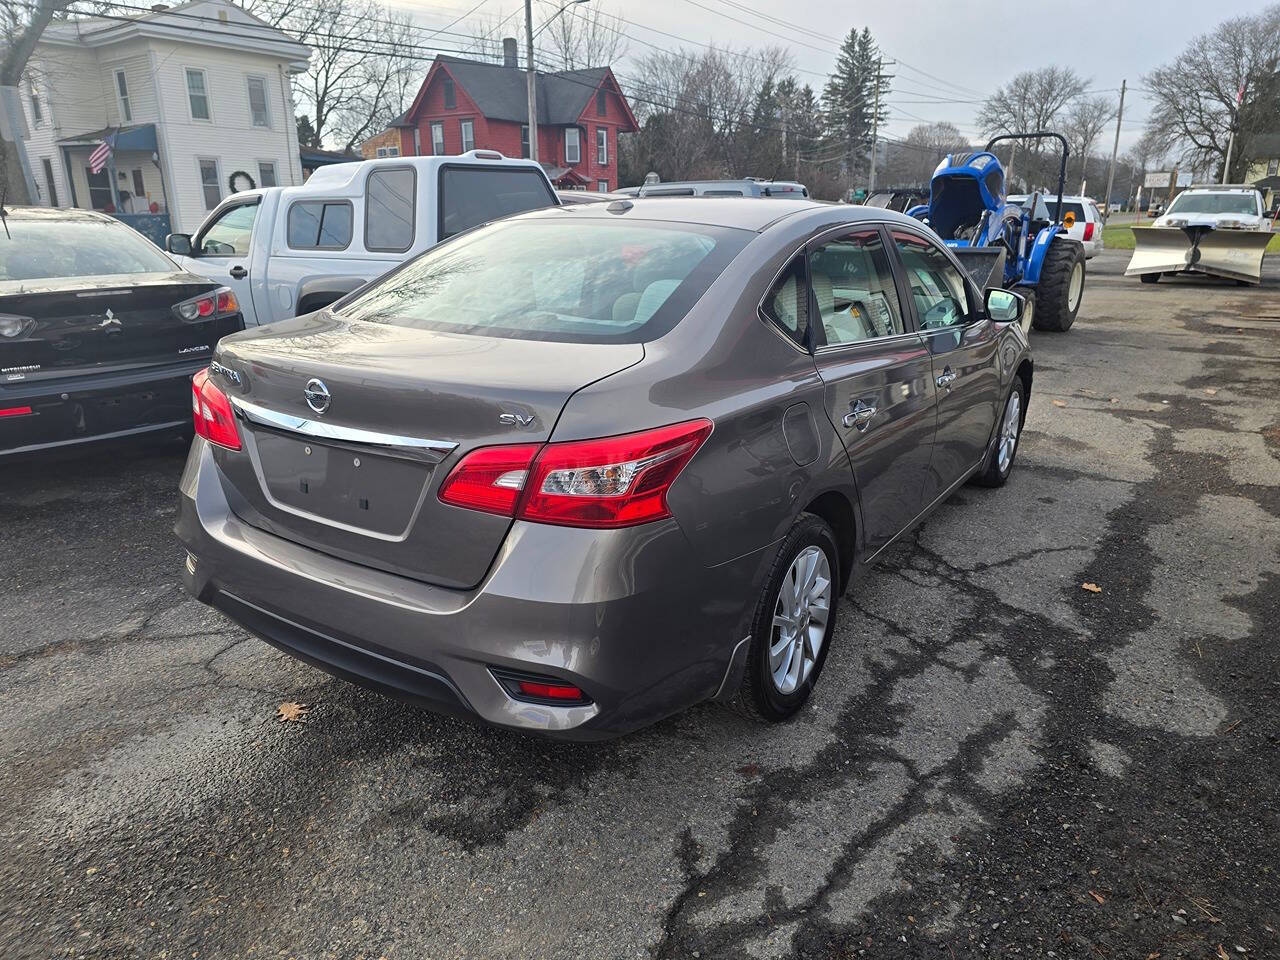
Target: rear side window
787, 303
388, 210
320, 225
470, 196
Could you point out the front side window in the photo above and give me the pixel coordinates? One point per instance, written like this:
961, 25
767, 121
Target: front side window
602, 146
937, 287
388, 210
787, 303
450, 94
437, 139
470, 196
228, 236
468, 136
572, 145
612, 282
197, 94
854, 290
122, 96
75, 248
319, 225
210, 183
258, 102
266, 174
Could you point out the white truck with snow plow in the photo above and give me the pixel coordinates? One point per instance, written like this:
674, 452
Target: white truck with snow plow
1219, 230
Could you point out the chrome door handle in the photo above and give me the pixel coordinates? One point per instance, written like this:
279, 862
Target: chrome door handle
859, 415
946, 379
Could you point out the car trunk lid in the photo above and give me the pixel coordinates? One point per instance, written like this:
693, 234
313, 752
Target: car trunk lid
358, 478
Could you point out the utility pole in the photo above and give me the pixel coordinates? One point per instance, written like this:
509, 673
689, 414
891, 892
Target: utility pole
875, 123
1226, 166
531, 81
1115, 147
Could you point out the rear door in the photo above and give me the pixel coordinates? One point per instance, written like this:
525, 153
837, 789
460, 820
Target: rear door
877, 376
221, 251
962, 346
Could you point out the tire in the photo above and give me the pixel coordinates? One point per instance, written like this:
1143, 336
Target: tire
761, 696
1008, 433
1149, 277
1058, 286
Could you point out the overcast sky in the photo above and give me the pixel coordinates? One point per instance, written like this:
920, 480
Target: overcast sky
1104, 40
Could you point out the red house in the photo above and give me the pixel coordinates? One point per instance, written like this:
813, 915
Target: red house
467, 104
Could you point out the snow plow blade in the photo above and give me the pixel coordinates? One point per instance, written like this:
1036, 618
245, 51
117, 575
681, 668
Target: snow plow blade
1234, 254
985, 265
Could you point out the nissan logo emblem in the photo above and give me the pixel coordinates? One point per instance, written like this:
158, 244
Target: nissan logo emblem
317, 395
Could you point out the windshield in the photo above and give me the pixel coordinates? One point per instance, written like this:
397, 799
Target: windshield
43, 249
573, 281
1245, 203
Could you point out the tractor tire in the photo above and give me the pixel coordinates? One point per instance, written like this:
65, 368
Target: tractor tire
1149, 277
1061, 287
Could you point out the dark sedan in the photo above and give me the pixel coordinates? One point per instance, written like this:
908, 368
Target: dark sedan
100, 332
583, 467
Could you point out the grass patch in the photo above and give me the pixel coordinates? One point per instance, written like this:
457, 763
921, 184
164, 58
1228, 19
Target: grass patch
1118, 236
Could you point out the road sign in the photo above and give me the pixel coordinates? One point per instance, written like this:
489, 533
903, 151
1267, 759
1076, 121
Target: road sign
1184, 180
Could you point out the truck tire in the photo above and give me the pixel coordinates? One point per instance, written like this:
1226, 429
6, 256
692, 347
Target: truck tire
1061, 287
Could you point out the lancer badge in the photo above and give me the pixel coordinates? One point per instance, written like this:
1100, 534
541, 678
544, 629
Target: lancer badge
317, 395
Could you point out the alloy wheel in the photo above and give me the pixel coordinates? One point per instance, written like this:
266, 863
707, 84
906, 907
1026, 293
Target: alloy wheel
1009, 430
800, 619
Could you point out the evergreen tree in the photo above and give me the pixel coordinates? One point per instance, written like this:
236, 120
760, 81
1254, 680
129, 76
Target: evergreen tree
849, 99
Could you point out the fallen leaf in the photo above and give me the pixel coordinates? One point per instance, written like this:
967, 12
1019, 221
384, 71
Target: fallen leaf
750, 770
1211, 391
1097, 896
290, 712
1091, 587
1115, 399
1059, 403
1222, 953
1153, 956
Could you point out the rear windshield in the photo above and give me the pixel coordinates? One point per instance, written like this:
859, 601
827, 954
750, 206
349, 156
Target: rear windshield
1246, 203
43, 249
572, 281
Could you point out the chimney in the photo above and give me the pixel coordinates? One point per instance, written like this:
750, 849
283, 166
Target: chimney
510, 52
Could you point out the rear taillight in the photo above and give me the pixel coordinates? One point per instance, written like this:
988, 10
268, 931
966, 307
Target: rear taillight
211, 412
1088, 231
613, 482
209, 306
15, 411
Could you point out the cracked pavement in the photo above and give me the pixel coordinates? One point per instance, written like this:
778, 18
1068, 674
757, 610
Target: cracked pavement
996, 762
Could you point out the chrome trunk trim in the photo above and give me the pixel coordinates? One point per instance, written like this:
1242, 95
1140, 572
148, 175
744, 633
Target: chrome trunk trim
420, 448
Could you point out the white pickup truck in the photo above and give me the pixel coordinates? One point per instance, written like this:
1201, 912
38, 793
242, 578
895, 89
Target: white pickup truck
286, 251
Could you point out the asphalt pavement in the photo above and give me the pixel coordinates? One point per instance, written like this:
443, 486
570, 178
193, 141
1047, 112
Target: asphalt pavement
1048, 725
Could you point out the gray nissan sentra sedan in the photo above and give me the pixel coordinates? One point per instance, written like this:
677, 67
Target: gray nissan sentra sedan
582, 468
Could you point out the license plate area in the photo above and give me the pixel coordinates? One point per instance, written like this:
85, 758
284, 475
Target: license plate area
341, 484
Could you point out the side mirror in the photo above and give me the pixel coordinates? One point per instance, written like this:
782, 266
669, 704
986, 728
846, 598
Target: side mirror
179, 244
1005, 306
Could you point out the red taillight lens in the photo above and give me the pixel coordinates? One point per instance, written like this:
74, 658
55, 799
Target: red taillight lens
490, 479
216, 303
613, 482
549, 691
211, 412
1088, 231
15, 411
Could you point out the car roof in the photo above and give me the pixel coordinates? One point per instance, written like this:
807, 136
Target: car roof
742, 213
52, 214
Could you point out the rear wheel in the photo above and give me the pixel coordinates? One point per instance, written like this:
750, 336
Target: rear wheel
793, 624
1061, 287
1149, 277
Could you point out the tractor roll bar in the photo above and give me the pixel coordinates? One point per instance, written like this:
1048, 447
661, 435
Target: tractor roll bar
1040, 135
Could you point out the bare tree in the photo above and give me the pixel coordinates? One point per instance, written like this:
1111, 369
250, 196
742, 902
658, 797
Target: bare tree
1222, 81
576, 40
1085, 120
1032, 100
914, 158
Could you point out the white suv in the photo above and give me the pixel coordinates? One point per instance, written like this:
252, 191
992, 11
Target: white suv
1087, 227
287, 251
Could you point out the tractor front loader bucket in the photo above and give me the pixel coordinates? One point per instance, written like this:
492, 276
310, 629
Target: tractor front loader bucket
1234, 254
985, 265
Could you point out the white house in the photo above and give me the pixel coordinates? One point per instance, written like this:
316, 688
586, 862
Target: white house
197, 95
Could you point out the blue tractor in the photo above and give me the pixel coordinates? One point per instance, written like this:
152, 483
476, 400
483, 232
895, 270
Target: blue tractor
1005, 244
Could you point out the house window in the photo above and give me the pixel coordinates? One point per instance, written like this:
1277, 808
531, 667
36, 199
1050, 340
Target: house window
210, 182
524, 140
388, 209
139, 191
122, 97
48, 178
572, 145
602, 186
437, 139
388, 151
602, 104
258, 102
99, 188
37, 112
602, 146
266, 173
197, 94
450, 95
1273, 168
468, 136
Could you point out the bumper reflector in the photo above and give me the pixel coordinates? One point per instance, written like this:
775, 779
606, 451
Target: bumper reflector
15, 411
533, 688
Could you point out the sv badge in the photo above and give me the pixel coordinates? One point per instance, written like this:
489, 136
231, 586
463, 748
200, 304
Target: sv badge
516, 419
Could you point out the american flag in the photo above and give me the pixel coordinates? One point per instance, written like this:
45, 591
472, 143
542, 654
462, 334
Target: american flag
102, 153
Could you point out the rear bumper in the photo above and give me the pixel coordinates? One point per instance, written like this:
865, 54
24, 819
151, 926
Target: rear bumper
629, 616
101, 406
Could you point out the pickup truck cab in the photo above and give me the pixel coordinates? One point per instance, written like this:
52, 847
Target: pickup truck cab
286, 251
